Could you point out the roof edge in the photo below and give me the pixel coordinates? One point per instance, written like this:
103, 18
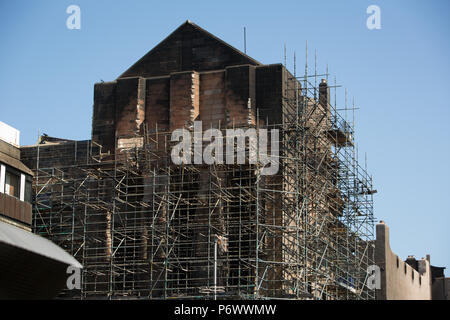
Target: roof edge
189, 22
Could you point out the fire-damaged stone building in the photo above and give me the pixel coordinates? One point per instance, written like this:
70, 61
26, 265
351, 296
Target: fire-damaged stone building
191, 75
143, 227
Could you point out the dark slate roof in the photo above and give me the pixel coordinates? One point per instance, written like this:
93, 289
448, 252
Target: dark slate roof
188, 48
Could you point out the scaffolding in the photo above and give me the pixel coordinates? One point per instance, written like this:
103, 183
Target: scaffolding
143, 227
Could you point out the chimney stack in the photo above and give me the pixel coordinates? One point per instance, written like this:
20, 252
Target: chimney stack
324, 94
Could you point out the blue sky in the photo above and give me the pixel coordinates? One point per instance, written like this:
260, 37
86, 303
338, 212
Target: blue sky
398, 77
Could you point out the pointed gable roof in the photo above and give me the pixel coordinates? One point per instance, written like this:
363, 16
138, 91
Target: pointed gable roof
188, 48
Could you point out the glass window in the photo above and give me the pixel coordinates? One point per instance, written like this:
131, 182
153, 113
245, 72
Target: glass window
12, 184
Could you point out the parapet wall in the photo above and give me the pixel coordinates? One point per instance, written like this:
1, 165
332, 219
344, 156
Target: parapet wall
400, 281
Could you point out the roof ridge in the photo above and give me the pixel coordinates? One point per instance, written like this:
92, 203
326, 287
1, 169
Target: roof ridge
197, 27
221, 41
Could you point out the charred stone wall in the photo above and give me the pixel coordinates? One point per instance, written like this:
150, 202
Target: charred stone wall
128, 106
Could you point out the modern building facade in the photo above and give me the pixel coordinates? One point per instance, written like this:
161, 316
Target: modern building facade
31, 267
15, 180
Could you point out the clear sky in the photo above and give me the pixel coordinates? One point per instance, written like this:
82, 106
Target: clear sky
398, 76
